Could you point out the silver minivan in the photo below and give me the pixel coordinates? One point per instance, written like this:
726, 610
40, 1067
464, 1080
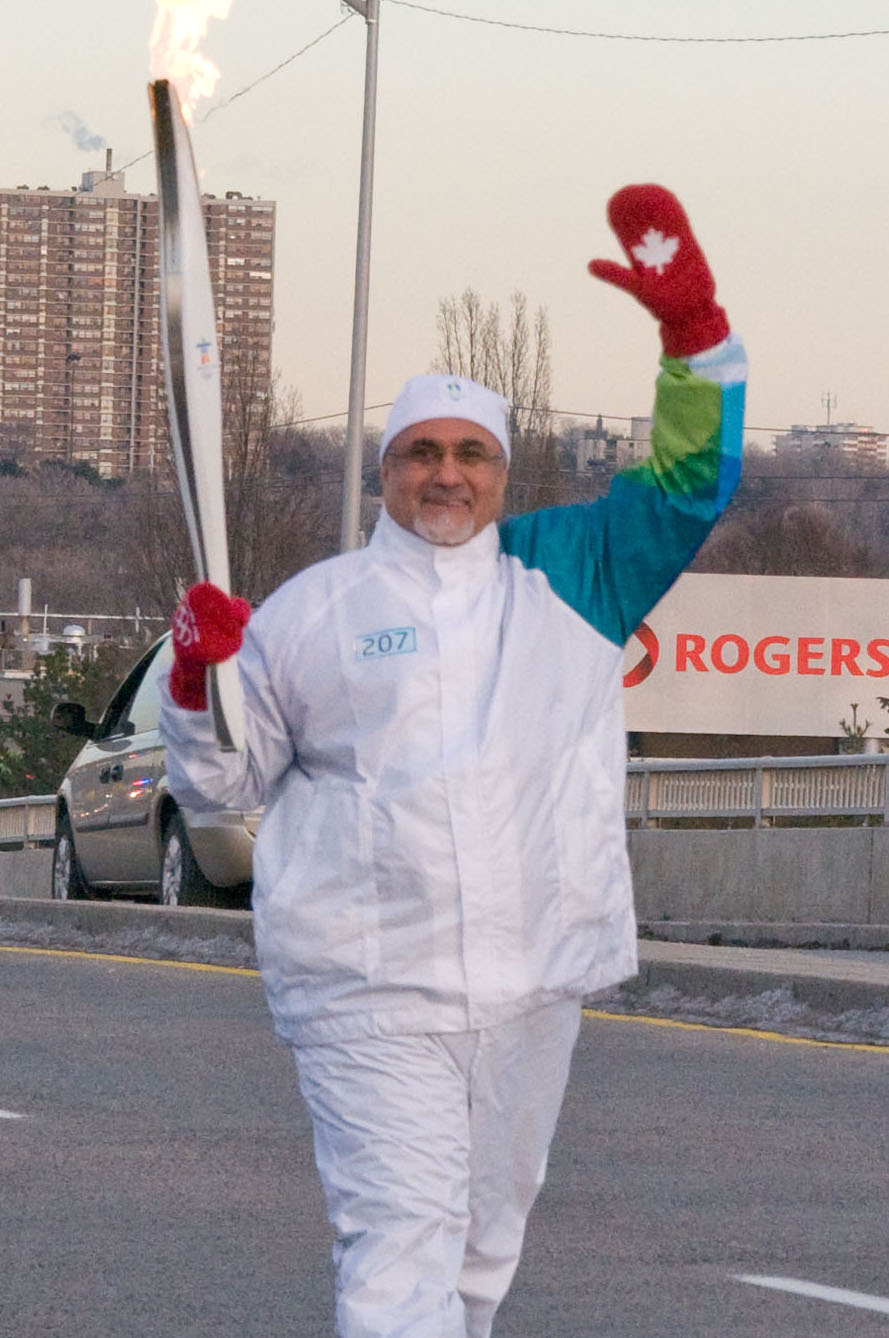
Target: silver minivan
118, 828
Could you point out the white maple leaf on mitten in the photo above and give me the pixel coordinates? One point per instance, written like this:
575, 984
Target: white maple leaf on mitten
656, 251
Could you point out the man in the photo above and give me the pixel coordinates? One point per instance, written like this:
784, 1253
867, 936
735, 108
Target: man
434, 725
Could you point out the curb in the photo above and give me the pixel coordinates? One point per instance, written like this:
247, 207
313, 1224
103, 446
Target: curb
107, 917
824, 983
129, 929
689, 964
768, 934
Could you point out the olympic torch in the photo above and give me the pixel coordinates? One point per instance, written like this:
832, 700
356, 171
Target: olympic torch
191, 364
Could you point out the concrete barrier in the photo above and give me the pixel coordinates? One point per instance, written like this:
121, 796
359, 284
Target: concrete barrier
25, 873
826, 874
768, 875
109, 917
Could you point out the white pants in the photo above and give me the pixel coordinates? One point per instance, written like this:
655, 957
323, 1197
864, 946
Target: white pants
431, 1151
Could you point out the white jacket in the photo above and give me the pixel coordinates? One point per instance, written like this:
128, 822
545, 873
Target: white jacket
437, 736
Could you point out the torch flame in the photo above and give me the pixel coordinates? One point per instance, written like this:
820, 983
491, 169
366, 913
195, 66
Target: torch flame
179, 26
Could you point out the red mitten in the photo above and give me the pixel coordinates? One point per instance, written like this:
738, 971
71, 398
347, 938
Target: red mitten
669, 274
208, 627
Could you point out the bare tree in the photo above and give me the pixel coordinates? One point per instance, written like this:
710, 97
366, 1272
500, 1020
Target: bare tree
513, 358
281, 499
56, 527
281, 491
17, 447
153, 562
248, 413
781, 540
469, 338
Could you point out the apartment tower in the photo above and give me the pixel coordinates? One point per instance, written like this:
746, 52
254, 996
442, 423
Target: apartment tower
81, 369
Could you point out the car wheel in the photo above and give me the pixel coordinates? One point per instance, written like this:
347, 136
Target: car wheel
181, 882
67, 881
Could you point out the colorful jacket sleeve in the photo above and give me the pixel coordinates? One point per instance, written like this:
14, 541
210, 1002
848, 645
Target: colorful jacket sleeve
611, 560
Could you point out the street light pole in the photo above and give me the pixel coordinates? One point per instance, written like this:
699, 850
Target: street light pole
350, 536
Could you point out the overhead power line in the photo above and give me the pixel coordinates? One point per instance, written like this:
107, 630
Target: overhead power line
834, 429
633, 37
248, 88
521, 27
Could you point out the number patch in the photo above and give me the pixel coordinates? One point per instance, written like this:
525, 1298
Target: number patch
391, 641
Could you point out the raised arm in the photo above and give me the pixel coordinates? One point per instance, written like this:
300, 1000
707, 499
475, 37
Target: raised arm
613, 559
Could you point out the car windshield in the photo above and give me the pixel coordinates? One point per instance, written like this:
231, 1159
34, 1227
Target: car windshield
134, 707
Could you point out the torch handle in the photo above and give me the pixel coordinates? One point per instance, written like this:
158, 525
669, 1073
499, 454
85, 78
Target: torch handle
226, 704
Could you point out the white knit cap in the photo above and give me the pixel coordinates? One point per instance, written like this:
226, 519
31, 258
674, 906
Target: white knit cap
437, 396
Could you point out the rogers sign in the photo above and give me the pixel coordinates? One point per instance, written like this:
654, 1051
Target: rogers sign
760, 655
730, 653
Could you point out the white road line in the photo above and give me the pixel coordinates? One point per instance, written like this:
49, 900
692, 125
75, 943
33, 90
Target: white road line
10, 1115
861, 1300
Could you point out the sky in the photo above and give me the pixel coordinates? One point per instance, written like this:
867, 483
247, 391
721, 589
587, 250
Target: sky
497, 149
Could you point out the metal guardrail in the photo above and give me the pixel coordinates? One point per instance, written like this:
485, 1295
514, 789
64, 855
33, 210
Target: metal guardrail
761, 789
30, 821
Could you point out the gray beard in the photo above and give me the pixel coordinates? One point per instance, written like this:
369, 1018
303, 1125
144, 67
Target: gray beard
446, 530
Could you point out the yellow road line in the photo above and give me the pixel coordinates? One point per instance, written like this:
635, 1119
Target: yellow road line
598, 1014
141, 961
752, 1032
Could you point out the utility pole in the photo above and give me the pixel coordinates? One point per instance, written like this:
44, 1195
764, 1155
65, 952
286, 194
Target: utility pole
350, 536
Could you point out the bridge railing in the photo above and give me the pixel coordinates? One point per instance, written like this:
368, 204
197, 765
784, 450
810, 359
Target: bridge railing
29, 821
757, 789
760, 789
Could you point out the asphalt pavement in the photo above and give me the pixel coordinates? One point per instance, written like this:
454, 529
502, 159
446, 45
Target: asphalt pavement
158, 1175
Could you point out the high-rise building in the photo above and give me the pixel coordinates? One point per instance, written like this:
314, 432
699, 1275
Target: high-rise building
851, 441
81, 370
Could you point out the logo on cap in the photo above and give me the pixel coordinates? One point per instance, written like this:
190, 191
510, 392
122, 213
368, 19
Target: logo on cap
454, 390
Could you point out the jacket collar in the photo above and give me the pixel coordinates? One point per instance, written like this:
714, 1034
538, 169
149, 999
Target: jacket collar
391, 542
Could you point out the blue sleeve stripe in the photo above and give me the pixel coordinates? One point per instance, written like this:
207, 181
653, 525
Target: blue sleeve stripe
732, 434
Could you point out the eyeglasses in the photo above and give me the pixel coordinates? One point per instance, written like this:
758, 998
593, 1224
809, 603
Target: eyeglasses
429, 455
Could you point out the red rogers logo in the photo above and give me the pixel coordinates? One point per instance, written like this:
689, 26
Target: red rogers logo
640, 671
773, 656
731, 653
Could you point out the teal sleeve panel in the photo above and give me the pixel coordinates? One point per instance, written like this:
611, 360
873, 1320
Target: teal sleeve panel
611, 560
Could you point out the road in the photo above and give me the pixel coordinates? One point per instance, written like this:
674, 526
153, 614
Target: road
157, 1178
